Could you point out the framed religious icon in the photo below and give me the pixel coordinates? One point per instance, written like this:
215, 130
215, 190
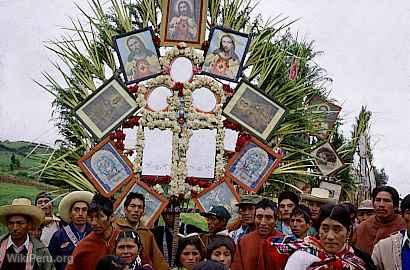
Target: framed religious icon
326, 159
105, 109
330, 113
252, 165
254, 111
106, 168
334, 189
139, 58
183, 21
154, 202
220, 193
226, 54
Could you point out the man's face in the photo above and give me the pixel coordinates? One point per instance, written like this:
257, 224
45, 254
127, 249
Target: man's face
264, 221
286, 207
227, 44
314, 208
299, 226
18, 226
79, 213
215, 224
169, 219
363, 215
183, 8
383, 205
45, 205
134, 45
247, 214
99, 222
406, 217
134, 211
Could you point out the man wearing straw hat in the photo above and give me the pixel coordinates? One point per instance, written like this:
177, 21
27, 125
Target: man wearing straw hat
316, 199
18, 250
73, 210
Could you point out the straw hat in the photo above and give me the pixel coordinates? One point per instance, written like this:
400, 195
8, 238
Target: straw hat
22, 206
64, 208
318, 195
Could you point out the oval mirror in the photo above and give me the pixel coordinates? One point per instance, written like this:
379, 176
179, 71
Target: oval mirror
204, 99
181, 69
157, 99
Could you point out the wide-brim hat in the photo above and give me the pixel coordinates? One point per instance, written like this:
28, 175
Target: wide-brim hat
64, 208
318, 195
366, 205
22, 206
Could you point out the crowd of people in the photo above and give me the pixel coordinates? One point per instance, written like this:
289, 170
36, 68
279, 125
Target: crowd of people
308, 232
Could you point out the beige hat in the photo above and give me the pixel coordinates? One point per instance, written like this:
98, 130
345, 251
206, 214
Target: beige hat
366, 205
22, 206
318, 195
64, 208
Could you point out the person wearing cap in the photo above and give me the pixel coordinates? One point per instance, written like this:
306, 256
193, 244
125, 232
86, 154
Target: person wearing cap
385, 221
51, 223
246, 208
134, 207
316, 199
251, 251
217, 219
18, 250
365, 211
288, 200
393, 253
164, 235
73, 210
101, 241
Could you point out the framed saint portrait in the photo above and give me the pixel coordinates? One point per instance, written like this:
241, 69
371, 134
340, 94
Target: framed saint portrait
252, 165
138, 56
326, 159
105, 109
334, 189
154, 202
226, 54
183, 21
254, 111
220, 193
330, 113
106, 168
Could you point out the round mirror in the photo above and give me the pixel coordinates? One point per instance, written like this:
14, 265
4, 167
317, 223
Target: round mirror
203, 99
157, 99
181, 70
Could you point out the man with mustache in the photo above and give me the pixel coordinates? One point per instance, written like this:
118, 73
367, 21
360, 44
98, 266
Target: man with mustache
385, 221
73, 210
101, 241
134, 206
182, 26
251, 251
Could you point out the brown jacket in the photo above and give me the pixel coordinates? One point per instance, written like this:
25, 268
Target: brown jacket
372, 230
251, 253
150, 247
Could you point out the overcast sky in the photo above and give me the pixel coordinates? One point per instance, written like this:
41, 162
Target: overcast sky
366, 52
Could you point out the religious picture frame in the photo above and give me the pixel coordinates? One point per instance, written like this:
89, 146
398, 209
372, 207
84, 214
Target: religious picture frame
183, 21
254, 111
106, 108
334, 189
154, 202
330, 113
326, 159
226, 54
138, 55
222, 193
252, 165
106, 168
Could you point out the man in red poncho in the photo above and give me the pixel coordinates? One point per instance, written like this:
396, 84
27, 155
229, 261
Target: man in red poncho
251, 252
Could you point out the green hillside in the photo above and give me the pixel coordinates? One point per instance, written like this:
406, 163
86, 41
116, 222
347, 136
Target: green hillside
23, 153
